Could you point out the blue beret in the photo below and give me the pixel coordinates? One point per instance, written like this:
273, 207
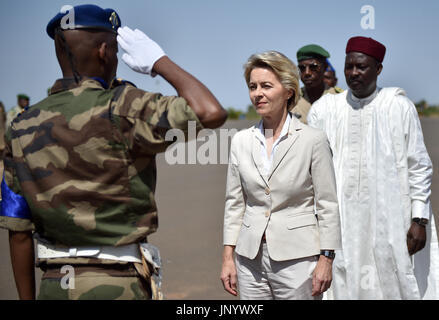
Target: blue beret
330, 67
87, 16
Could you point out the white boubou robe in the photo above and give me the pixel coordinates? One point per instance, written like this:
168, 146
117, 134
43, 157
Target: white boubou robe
383, 174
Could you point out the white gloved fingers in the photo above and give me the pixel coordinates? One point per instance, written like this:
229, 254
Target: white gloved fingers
128, 60
125, 46
125, 29
121, 32
140, 34
130, 32
127, 34
141, 52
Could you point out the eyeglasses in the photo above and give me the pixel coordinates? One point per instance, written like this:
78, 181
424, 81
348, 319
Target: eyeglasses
315, 67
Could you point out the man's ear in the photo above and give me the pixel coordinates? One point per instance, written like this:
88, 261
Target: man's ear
103, 51
379, 69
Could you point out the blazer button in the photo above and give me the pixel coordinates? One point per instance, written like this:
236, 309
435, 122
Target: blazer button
267, 191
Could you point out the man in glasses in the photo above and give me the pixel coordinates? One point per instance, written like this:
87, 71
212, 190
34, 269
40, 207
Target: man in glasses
383, 173
312, 64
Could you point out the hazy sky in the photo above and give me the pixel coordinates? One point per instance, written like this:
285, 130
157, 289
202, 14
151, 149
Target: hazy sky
213, 39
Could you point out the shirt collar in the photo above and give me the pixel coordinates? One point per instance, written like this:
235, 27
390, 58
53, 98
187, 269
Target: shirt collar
65, 84
284, 131
103, 83
361, 102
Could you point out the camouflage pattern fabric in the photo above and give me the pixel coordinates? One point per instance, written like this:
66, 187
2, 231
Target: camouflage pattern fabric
95, 283
303, 106
84, 159
145, 271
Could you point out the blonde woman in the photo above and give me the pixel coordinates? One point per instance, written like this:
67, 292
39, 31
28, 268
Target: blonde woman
281, 221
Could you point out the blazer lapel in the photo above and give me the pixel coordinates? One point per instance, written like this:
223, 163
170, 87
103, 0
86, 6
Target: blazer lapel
285, 145
256, 154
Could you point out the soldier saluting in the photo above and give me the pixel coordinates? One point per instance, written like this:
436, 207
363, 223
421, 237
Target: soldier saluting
80, 167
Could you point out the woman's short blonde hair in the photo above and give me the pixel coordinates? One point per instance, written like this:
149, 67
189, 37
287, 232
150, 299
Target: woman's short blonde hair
285, 70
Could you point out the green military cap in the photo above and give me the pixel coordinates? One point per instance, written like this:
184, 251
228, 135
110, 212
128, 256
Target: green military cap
312, 51
22, 96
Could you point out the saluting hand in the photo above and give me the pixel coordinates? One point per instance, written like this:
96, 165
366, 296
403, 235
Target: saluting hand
141, 53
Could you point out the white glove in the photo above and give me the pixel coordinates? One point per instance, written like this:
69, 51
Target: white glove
141, 51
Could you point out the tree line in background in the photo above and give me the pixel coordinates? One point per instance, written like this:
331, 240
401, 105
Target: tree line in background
235, 114
424, 109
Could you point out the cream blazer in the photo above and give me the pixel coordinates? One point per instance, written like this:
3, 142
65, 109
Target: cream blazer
295, 205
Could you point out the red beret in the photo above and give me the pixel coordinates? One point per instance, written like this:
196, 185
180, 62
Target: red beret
367, 46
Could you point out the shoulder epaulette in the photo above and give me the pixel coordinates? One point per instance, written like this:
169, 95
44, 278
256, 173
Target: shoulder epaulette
338, 90
17, 117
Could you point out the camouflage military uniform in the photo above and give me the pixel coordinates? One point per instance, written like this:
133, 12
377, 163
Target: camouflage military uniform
302, 107
84, 160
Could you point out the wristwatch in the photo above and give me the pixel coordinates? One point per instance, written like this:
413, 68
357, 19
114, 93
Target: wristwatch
328, 253
421, 221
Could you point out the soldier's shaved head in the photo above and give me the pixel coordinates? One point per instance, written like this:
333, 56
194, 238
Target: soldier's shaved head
91, 53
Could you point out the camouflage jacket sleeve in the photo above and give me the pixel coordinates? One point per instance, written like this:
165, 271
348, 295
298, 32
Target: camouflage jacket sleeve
14, 212
146, 117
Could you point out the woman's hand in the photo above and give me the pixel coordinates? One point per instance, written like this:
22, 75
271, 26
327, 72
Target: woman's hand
228, 272
322, 276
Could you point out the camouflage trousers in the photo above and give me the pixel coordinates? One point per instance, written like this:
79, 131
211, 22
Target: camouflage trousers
93, 282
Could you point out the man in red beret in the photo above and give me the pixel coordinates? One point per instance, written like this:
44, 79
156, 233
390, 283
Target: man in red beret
383, 173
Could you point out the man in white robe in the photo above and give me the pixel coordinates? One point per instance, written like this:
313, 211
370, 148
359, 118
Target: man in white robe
383, 174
